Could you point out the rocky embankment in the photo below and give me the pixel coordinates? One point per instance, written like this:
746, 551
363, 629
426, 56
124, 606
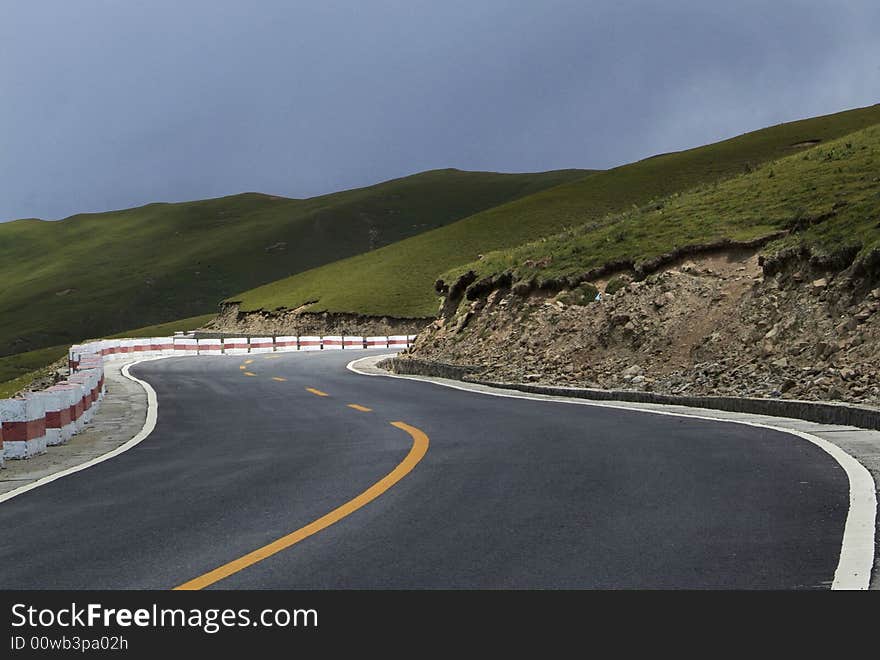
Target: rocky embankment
232, 320
722, 324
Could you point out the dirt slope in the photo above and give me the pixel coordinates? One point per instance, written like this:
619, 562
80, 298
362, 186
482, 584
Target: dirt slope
718, 323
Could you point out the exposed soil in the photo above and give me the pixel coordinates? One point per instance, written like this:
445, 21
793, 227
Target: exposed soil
706, 324
302, 322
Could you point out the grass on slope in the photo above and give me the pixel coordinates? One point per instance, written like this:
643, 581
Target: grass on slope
398, 280
19, 370
165, 329
97, 274
829, 195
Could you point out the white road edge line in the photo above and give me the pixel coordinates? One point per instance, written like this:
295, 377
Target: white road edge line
149, 425
857, 547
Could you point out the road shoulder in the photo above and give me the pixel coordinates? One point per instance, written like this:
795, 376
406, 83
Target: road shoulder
120, 417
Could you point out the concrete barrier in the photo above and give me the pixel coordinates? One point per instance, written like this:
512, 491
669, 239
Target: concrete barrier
812, 411
96, 382
69, 395
186, 346
24, 427
89, 362
210, 346
283, 344
235, 345
353, 342
162, 345
73, 357
822, 412
128, 346
417, 367
310, 343
262, 344
88, 382
79, 405
95, 378
398, 341
102, 387
377, 342
57, 413
141, 346
72, 394
51, 417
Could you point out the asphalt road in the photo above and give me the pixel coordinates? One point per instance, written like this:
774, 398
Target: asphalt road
510, 494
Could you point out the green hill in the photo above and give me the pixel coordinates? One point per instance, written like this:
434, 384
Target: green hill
96, 274
19, 370
398, 279
826, 199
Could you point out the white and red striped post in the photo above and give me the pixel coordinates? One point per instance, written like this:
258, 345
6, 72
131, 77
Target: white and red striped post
109, 348
398, 341
74, 393
210, 347
127, 346
377, 342
65, 422
88, 381
24, 427
141, 346
235, 345
285, 343
162, 345
185, 346
310, 343
73, 358
57, 413
352, 343
262, 344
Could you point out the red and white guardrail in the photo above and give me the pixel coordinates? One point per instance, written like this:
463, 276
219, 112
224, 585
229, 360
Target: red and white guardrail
30, 423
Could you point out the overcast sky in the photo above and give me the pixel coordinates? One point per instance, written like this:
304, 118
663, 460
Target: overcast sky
108, 104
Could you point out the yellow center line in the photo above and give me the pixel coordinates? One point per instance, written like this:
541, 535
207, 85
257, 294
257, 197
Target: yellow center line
279, 379
361, 408
248, 373
248, 361
416, 453
242, 367
316, 392
272, 357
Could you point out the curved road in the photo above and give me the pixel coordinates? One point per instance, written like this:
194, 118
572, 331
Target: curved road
510, 494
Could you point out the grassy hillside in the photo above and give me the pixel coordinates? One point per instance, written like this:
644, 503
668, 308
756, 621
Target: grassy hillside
17, 371
96, 274
828, 197
397, 280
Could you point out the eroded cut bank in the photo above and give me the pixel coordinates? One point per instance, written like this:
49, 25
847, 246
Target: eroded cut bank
300, 321
722, 322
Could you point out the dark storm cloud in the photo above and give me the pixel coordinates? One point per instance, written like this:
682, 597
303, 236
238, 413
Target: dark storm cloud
114, 103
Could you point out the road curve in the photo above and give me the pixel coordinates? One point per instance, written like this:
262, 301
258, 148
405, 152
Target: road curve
507, 494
